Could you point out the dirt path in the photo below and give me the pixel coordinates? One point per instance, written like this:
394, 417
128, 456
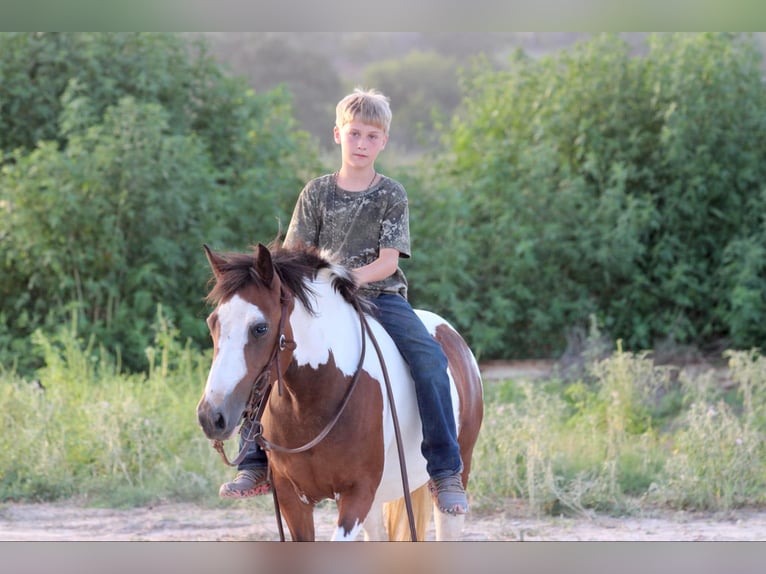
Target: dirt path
247, 521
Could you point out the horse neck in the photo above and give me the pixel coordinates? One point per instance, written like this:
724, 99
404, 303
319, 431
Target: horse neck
329, 338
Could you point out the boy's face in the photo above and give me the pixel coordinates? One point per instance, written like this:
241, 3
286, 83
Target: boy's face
360, 143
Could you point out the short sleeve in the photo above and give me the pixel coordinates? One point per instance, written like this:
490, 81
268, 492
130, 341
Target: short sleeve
395, 228
304, 223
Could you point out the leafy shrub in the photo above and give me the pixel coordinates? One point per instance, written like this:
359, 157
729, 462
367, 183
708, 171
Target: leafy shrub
123, 154
600, 183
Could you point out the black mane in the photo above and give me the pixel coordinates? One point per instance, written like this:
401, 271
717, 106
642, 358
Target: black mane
295, 267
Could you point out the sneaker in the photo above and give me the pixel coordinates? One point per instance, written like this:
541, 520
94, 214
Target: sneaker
250, 482
449, 494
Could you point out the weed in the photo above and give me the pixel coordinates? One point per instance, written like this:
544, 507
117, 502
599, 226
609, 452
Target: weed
716, 462
88, 430
85, 429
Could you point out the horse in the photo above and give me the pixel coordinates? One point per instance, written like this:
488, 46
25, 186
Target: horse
328, 429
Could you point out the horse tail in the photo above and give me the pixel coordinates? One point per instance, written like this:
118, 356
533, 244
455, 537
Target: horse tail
396, 519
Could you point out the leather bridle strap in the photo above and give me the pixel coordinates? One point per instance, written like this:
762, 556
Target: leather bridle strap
253, 413
268, 445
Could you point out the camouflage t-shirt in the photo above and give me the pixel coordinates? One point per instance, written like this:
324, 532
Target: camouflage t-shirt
354, 225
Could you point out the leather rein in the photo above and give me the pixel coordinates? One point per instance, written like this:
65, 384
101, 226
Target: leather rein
251, 430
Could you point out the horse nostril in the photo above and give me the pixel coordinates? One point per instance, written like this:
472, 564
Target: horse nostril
220, 422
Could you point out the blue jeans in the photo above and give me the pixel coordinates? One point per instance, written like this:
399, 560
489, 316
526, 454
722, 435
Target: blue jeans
428, 366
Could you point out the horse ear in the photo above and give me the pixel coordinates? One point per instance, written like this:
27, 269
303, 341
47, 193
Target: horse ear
263, 264
215, 260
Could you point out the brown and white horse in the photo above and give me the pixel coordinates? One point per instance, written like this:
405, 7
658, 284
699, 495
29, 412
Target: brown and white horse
290, 317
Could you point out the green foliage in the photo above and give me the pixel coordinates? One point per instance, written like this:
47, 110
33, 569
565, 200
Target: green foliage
595, 444
124, 153
591, 185
87, 430
709, 93
107, 226
597, 183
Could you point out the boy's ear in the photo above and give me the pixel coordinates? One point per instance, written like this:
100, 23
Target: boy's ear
336, 134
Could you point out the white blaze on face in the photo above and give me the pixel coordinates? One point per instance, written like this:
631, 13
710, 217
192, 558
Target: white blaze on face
229, 367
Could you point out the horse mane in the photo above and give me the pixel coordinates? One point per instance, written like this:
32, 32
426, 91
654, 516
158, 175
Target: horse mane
295, 267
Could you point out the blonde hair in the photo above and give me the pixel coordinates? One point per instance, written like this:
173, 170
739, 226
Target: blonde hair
367, 106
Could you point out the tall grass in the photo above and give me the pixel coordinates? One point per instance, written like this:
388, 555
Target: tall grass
718, 457
625, 436
84, 429
609, 442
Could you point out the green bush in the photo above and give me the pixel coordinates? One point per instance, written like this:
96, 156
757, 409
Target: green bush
123, 154
600, 183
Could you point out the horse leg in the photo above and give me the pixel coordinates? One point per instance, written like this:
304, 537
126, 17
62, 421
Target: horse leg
298, 514
397, 520
374, 525
353, 507
448, 527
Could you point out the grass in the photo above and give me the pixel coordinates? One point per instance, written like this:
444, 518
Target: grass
626, 435
110, 438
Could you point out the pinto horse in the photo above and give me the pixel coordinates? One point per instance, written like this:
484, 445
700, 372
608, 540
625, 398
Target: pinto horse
292, 318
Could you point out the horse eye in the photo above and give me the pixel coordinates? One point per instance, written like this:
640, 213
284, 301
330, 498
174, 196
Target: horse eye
259, 330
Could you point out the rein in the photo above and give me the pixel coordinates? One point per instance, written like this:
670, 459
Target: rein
397, 431
253, 415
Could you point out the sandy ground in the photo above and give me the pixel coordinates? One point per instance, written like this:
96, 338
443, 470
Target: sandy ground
246, 521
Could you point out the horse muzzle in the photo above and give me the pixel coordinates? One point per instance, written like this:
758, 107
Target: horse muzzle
217, 422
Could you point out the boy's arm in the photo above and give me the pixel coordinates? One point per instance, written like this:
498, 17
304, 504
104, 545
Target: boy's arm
384, 266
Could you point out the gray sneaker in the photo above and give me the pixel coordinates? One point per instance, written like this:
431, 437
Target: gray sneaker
449, 494
247, 483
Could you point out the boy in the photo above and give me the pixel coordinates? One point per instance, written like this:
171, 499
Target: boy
363, 217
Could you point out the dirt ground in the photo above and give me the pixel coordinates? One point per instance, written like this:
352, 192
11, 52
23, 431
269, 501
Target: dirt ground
249, 521
246, 521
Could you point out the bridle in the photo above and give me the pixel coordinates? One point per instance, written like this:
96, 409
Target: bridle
251, 430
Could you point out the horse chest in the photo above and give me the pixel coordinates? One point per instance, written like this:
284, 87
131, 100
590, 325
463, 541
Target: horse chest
350, 456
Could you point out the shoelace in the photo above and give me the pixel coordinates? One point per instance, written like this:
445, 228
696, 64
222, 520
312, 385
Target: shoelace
452, 483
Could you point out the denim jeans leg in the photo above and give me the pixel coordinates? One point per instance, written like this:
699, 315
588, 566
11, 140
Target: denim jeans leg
255, 457
428, 366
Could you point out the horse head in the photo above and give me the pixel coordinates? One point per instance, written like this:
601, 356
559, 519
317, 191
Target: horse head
246, 327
